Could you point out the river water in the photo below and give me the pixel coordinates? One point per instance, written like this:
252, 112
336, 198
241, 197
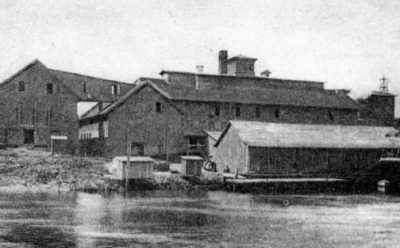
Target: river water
197, 219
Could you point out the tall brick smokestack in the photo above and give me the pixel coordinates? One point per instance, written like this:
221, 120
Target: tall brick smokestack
222, 57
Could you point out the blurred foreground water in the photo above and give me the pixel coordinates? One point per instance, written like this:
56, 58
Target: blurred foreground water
197, 219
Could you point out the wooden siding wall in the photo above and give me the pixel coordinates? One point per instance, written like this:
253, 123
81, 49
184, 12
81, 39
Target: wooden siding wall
311, 161
231, 152
202, 114
211, 149
167, 129
33, 106
160, 132
378, 110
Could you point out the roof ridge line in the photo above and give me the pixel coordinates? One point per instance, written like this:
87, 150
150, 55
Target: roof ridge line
88, 76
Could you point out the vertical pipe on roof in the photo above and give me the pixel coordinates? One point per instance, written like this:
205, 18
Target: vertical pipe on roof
222, 57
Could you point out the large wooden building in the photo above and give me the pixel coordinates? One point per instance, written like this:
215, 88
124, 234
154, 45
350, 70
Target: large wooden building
37, 102
167, 116
302, 149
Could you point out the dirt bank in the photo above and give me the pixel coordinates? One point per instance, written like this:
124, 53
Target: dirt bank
24, 170
34, 170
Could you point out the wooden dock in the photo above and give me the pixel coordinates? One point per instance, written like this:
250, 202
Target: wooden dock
281, 180
284, 184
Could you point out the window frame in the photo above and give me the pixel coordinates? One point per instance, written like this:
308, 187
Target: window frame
257, 111
21, 86
277, 113
238, 111
158, 107
49, 88
217, 110
331, 116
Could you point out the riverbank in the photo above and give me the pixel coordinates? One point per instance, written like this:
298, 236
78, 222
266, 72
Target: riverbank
24, 170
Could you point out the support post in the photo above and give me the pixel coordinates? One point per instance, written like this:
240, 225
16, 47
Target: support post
128, 163
51, 146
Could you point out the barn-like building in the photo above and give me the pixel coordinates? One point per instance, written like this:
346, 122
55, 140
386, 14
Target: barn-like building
167, 116
37, 102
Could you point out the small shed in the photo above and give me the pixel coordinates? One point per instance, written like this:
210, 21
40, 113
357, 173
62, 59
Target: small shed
191, 165
58, 144
139, 168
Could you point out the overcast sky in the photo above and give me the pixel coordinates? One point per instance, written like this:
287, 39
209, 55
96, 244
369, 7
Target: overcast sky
347, 44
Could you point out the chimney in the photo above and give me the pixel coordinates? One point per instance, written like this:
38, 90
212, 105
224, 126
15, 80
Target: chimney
222, 57
200, 69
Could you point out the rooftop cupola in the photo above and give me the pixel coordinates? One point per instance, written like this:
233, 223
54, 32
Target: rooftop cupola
239, 65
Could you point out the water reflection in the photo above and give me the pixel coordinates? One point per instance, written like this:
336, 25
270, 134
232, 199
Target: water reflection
197, 219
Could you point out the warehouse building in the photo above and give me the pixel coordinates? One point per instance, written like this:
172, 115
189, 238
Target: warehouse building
166, 116
37, 102
277, 149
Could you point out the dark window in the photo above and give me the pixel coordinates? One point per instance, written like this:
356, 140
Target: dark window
277, 113
137, 149
258, 112
50, 88
237, 111
217, 110
158, 107
331, 117
21, 86
85, 88
115, 90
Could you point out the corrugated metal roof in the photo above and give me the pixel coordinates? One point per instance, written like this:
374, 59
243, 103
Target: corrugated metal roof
265, 134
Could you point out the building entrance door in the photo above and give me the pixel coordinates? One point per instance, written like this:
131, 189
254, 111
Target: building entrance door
29, 136
137, 149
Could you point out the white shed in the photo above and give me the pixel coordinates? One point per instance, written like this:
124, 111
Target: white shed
191, 165
140, 167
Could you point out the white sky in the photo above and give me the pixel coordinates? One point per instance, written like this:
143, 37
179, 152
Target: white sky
347, 44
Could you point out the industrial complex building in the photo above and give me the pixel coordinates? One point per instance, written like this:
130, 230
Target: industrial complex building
185, 113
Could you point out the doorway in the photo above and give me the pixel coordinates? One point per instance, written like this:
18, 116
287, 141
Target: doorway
137, 149
29, 136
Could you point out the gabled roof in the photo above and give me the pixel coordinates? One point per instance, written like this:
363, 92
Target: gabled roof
139, 85
267, 96
38, 63
272, 96
95, 110
23, 69
213, 134
284, 135
98, 89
